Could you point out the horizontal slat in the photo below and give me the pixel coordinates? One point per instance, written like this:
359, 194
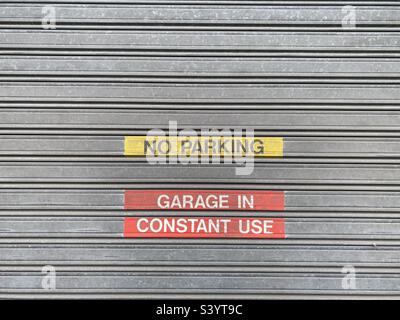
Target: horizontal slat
101, 146
136, 119
200, 40
340, 147
182, 68
205, 14
295, 228
200, 269
256, 283
305, 161
56, 145
203, 93
382, 214
188, 255
51, 199
295, 201
372, 243
212, 2
103, 173
131, 132
382, 106
198, 185
41, 294
341, 201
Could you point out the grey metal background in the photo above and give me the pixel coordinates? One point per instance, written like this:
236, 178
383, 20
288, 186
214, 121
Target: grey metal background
284, 68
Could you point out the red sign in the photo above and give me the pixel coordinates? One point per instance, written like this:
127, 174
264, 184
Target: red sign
247, 200
202, 227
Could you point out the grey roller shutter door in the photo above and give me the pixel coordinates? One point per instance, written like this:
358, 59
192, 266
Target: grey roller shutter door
110, 69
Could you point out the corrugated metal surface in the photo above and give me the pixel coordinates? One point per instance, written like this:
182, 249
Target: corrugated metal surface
110, 69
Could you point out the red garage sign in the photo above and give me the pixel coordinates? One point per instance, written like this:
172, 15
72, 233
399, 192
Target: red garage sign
204, 227
247, 200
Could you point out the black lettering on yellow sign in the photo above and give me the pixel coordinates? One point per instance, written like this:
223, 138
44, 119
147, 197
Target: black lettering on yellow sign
203, 146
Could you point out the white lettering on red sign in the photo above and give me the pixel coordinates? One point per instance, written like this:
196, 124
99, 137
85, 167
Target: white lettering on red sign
185, 227
204, 200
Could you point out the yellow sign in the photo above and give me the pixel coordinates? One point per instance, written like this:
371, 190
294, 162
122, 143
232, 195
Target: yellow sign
192, 146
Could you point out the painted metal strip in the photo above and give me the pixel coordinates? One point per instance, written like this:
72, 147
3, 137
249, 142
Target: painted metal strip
204, 200
204, 227
189, 146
